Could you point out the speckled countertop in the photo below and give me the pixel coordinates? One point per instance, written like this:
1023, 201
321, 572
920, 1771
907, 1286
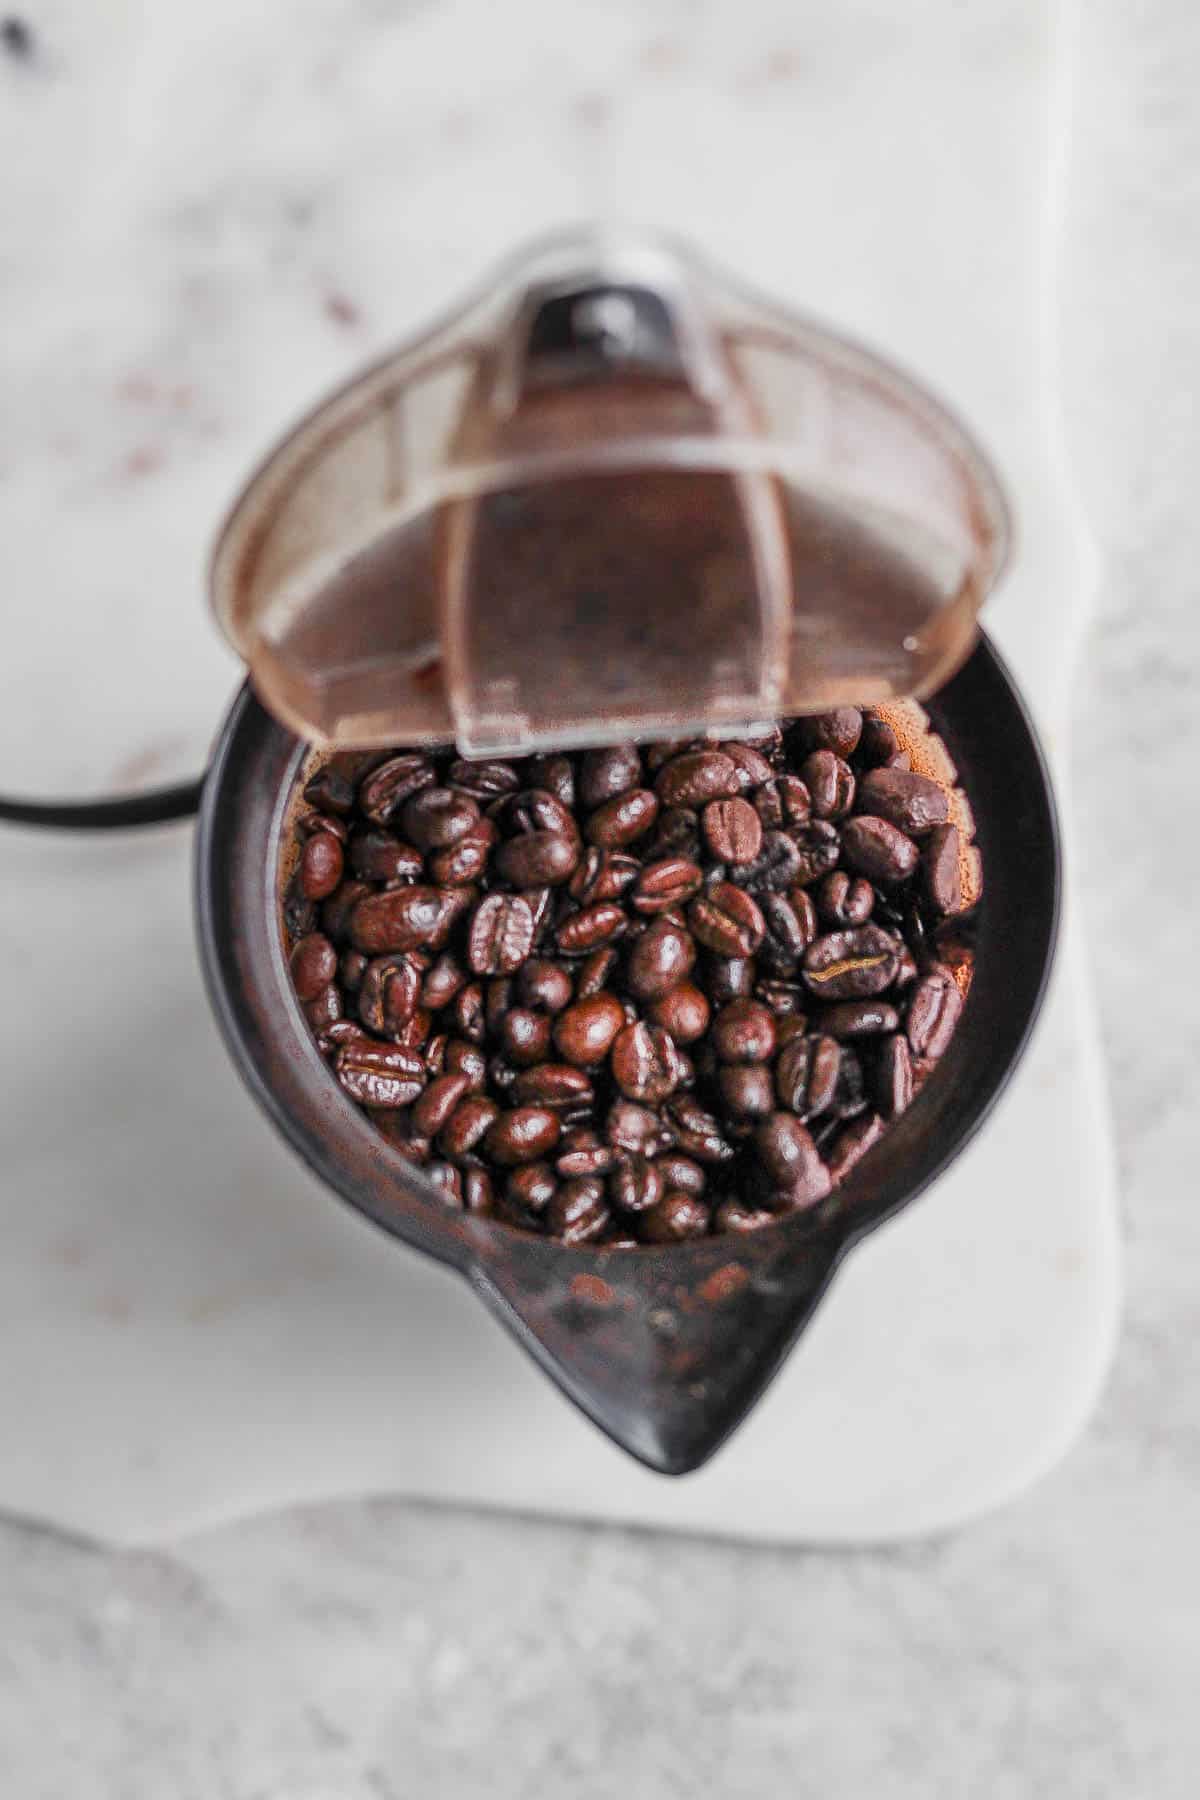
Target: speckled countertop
374, 1650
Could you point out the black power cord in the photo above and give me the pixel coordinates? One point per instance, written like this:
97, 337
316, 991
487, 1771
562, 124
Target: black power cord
122, 812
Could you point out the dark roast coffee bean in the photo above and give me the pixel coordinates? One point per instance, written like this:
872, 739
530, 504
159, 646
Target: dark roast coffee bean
830, 782
501, 934
644, 1063
878, 743
623, 820
746, 1090
389, 993
782, 801
338, 910
466, 860
698, 777
751, 765
788, 932
893, 1082
933, 1013
786, 999
858, 1018
791, 1159
942, 868
381, 1075
878, 850
299, 914
636, 1185
380, 856
843, 900
324, 1009
696, 1131
591, 929
603, 774
314, 965
852, 1144
321, 863
577, 1214
468, 1012
732, 1216
437, 817
351, 967
670, 881
558, 1085
435, 1055
443, 980
478, 1193
728, 977
662, 956
777, 867
838, 730
683, 1011
727, 921
818, 847
437, 1103
582, 1152
525, 1036
532, 1186
537, 859
544, 985
912, 802
386, 788
806, 1075
585, 1031
637, 1129
554, 775
850, 1095
744, 1032
465, 1058
330, 792
732, 830
526, 1134
602, 875
677, 834
398, 919
851, 965
677, 1218
315, 822
484, 781
679, 1171
448, 1181
412, 1033
594, 973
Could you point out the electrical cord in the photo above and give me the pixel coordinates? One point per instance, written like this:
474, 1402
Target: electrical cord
122, 812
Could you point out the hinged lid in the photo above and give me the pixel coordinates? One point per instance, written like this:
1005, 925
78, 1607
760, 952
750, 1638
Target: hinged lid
611, 497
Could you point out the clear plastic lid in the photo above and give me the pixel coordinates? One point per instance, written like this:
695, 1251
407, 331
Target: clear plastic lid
612, 496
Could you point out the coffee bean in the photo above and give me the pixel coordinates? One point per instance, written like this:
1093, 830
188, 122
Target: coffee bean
351, 967
435, 1055
623, 820
851, 965
380, 856
696, 1131
535, 809
445, 978
697, 777
330, 792
555, 775
668, 882
858, 1018
412, 1033
636, 1185
321, 864
746, 1090
544, 985
448, 1181
844, 900
787, 1153
728, 977
878, 850
314, 964
386, 788
602, 875
437, 1103
852, 1144
680, 1171
478, 1193
677, 1218
732, 830
525, 1134
878, 743
744, 1032
501, 934
381, 1075
677, 834
751, 765
537, 859
591, 929
577, 1214
893, 1082
437, 817
582, 1152
603, 774
788, 932
594, 973
299, 914
782, 801
732, 1216
637, 1130
777, 867
312, 823
661, 957
830, 782
338, 910
398, 919
585, 1031
483, 780
850, 1095
818, 847
727, 921
942, 869
465, 1058
532, 1186
389, 993
465, 861
525, 1036
468, 1012
786, 999
838, 730
933, 1013
806, 1075
683, 1011
914, 803
645, 1063
324, 1009
557, 1085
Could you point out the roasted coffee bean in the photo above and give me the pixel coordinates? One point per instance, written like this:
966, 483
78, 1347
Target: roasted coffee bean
603, 774
380, 856
850, 1095
777, 867
525, 1134
465, 861
851, 965
727, 921
381, 1075
858, 1018
728, 977
321, 863
744, 1032
914, 803
537, 859
892, 1086
680, 1171
299, 914
638, 1130
389, 993
398, 919
806, 1075
437, 817
878, 850
844, 900
602, 875
636, 1184
469, 1012
942, 868
852, 1144
465, 1058
554, 775
577, 1214
497, 998
544, 985
385, 790
594, 973
592, 929
448, 1181
330, 792
312, 823
746, 1090
698, 777
782, 801
351, 967
338, 910
501, 934
683, 1011
696, 1131
786, 999
534, 809
324, 1009
788, 1027
787, 935
732, 830
437, 1103
413, 1033
342, 1031
818, 847
584, 1033
623, 820
838, 730
558, 1085
484, 781
645, 1063
443, 980
532, 1186
661, 957
435, 1055
933, 1013
677, 834
314, 964
676, 1219
787, 1153
878, 743
751, 765
501, 1076
478, 1193
525, 1036
670, 881
582, 1152
732, 1216
830, 782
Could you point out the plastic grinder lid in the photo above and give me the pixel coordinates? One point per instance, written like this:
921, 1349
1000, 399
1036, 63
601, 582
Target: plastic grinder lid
611, 497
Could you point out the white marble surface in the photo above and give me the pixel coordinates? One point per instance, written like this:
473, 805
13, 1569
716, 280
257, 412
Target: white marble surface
375, 1649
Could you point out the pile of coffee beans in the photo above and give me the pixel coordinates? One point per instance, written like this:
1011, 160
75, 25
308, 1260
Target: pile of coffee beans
634, 995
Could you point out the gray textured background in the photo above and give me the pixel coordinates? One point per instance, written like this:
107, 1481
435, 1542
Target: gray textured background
378, 1649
